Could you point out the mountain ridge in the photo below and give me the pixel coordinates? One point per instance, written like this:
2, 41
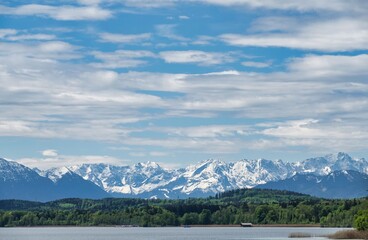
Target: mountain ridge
342, 184
206, 178
20, 182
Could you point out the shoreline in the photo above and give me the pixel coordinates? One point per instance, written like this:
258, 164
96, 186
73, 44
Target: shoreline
262, 225
185, 226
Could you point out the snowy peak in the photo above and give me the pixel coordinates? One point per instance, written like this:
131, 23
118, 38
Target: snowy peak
55, 174
341, 156
337, 184
332, 162
148, 169
125, 180
207, 167
205, 178
147, 165
10, 170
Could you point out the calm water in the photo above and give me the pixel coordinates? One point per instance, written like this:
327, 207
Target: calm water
177, 233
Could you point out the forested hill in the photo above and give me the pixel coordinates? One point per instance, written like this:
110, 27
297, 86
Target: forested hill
252, 196
258, 206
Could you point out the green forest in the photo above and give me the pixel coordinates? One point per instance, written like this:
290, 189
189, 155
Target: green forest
256, 206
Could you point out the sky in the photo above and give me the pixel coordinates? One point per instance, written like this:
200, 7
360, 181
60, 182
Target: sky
177, 82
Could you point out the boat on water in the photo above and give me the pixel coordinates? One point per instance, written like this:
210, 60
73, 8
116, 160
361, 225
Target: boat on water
246, 224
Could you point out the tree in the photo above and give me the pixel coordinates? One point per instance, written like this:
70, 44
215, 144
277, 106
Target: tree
190, 218
205, 217
361, 221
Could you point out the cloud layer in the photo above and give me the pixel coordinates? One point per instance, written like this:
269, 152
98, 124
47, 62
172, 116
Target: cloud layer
151, 81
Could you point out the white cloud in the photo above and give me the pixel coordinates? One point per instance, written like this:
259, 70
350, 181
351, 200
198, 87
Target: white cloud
148, 154
41, 37
207, 145
342, 34
168, 31
296, 129
55, 46
230, 72
36, 53
330, 65
317, 135
57, 99
122, 58
59, 12
49, 153
199, 57
69, 160
90, 2
6, 32
14, 127
277, 24
100, 79
158, 154
149, 3
302, 6
124, 38
256, 64
204, 40
211, 131
183, 17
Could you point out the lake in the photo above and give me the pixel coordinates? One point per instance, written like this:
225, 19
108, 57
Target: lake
177, 233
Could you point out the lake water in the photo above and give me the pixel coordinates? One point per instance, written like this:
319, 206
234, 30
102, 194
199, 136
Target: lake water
176, 233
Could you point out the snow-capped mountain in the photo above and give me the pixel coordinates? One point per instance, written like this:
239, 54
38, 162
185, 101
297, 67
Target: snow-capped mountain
332, 162
207, 177
337, 184
150, 180
55, 174
249, 173
213, 176
125, 180
20, 182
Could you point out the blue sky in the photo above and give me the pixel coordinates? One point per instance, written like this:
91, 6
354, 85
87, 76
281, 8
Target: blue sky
178, 82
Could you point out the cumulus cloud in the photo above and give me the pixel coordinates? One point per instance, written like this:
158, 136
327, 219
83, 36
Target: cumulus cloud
211, 131
285, 95
256, 64
302, 6
69, 160
124, 38
42, 51
23, 37
49, 153
90, 2
317, 135
330, 65
62, 13
169, 31
6, 32
199, 57
122, 58
207, 145
332, 35
52, 88
149, 3
184, 17
14, 127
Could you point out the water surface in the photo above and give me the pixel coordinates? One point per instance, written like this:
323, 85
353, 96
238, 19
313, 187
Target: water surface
176, 233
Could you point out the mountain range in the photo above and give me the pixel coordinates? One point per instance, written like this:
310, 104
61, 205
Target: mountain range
313, 176
20, 182
337, 184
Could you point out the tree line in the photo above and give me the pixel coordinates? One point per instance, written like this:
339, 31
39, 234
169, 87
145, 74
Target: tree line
233, 207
